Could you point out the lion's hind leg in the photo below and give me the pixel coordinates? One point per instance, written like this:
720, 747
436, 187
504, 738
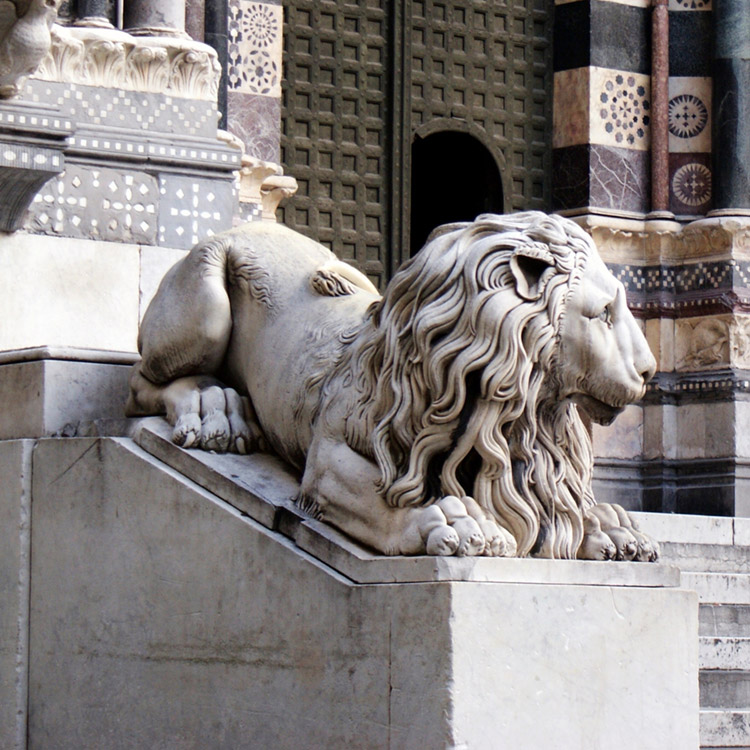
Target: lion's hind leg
202, 411
208, 415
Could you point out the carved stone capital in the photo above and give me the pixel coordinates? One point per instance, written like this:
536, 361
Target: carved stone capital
668, 242
253, 173
261, 182
112, 58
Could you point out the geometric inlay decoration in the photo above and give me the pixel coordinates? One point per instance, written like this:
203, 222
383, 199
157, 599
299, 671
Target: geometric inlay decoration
693, 4
688, 116
624, 109
620, 108
691, 184
255, 39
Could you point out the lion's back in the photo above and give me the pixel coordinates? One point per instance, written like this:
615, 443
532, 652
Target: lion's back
286, 333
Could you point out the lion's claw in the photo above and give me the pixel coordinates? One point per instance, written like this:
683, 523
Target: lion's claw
458, 526
187, 430
610, 534
442, 540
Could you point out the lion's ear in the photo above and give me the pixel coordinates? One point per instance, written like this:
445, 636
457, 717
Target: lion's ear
529, 264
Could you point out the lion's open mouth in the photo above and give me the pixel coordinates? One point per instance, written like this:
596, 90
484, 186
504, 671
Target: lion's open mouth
600, 412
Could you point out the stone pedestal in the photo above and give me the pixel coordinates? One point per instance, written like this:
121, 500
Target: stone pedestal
164, 614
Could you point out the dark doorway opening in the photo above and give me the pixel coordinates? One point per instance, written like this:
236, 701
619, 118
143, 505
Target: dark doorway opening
454, 178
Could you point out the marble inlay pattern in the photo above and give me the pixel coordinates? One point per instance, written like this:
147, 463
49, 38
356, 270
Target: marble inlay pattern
603, 106
97, 204
255, 48
142, 111
702, 288
621, 108
690, 5
690, 115
191, 209
690, 183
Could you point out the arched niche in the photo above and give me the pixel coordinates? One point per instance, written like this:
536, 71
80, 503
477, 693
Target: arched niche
454, 177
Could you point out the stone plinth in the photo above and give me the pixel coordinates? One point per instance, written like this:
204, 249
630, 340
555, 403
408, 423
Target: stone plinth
163, 614
51, 391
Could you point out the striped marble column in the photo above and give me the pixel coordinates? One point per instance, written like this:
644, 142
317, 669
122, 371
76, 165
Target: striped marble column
618, 130
254, 76
690, 94
603, 107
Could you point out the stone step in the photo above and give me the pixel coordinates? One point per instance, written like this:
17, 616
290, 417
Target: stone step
724, 653
721, 730
724, 620
687, 529
719, 588
709, 558
724, 689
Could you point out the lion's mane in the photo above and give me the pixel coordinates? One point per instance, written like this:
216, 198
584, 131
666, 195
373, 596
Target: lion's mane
454, 381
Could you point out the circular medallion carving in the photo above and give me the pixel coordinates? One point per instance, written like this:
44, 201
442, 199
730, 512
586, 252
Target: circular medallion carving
691, 184
688, 116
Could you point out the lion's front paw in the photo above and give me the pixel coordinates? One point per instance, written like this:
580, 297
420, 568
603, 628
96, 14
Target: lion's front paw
609, 533
471, 539
458, 526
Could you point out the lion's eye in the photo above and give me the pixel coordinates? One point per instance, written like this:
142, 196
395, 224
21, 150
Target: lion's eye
606, 315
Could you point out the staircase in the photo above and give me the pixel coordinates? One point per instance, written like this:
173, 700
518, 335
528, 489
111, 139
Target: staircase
714, 556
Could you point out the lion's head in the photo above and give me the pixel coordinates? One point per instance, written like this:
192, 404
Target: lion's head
470, 370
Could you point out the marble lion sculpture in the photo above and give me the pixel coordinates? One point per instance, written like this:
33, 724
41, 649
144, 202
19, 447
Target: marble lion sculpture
441, 418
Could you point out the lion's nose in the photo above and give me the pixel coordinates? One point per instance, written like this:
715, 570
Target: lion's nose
648, 368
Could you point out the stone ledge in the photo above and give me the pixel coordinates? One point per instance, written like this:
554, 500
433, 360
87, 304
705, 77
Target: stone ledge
67, 353
262, 487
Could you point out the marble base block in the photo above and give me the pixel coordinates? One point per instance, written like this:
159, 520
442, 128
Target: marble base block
53, 396
162, 616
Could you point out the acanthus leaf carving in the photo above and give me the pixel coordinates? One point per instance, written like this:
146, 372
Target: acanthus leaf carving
109, 57
104, 62
196, 73
148, 67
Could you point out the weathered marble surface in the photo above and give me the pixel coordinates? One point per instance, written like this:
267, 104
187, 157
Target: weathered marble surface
263, 487
195, 624
15, 564
48, 396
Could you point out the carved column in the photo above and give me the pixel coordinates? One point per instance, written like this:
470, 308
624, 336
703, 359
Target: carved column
150, 18
732, 104
659, 108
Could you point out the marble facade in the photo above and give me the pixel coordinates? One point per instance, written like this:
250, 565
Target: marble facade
683, 261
